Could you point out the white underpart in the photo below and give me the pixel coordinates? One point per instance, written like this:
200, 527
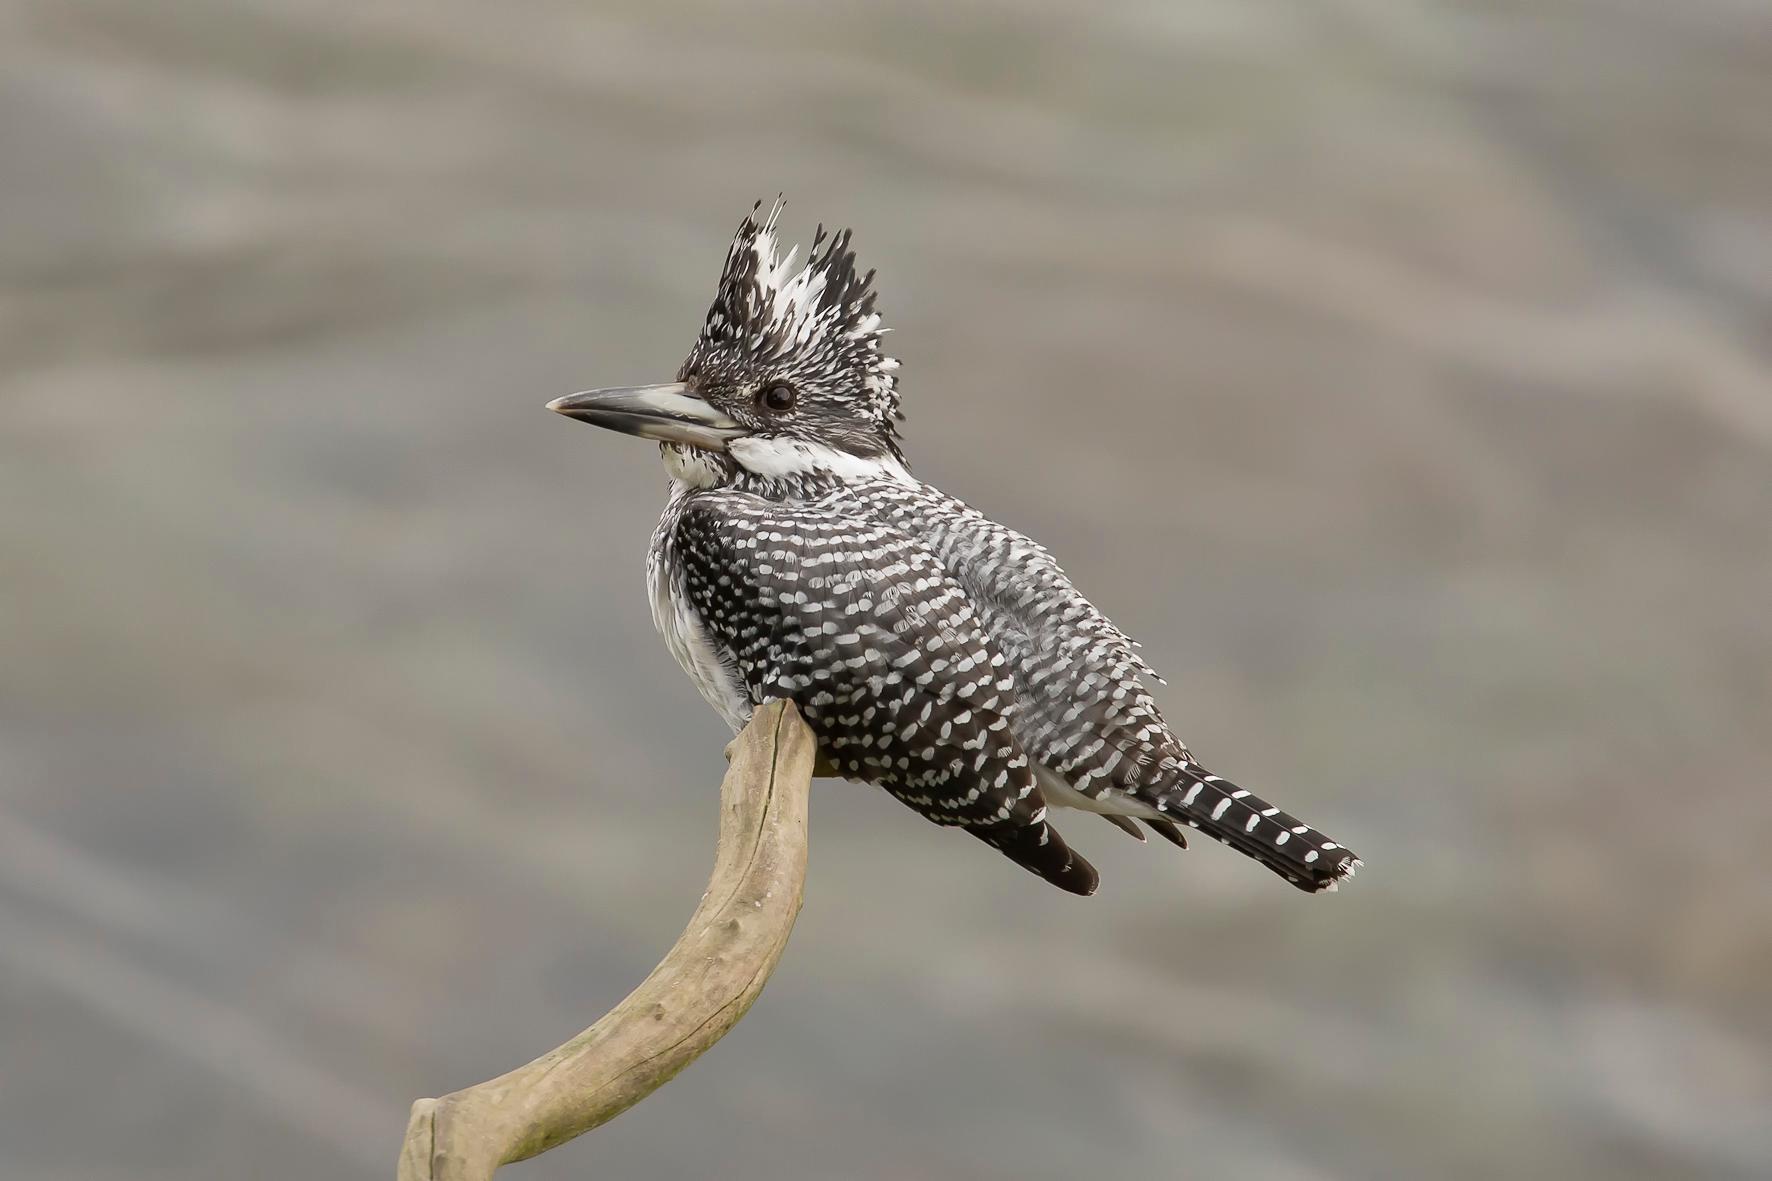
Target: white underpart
1060, 794
782, 457
684, 634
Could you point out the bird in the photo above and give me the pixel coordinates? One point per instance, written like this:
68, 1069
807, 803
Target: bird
931, 651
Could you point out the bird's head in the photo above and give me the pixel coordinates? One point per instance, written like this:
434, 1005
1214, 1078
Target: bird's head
786, 379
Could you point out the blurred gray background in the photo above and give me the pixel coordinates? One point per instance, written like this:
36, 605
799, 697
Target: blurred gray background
1399, 372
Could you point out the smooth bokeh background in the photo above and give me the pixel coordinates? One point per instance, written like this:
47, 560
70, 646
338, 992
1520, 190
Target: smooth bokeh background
1399, 372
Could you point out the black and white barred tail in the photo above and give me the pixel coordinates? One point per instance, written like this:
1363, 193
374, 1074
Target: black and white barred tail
1257, 829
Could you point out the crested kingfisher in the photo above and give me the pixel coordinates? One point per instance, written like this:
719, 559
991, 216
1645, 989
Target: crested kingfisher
931, 651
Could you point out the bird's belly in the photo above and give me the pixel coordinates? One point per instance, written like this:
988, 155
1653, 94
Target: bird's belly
688, 641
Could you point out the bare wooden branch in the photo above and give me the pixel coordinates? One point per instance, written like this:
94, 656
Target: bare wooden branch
697, 992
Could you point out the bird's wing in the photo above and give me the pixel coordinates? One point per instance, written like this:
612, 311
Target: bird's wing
859, 624
1084, 711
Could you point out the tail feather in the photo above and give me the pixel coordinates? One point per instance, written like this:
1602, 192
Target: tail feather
1038, 848
1125, 824
1167, 830
1257, 829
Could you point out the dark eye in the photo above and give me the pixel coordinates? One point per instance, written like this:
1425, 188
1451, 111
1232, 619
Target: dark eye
778, 398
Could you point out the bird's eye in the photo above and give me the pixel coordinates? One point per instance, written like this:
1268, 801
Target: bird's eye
777, 398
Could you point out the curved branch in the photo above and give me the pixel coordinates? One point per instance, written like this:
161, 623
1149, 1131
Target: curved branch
697, 992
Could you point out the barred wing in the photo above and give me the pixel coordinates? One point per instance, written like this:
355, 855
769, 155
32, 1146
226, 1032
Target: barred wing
1083, 711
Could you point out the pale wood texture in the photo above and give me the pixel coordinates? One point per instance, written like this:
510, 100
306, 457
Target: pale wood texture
697, 992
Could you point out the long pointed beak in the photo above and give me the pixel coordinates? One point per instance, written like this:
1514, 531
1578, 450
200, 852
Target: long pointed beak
668, 413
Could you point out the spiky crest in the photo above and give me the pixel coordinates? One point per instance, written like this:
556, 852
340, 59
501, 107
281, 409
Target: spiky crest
819, 321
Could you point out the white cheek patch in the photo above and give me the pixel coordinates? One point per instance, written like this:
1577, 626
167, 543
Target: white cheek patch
780, 458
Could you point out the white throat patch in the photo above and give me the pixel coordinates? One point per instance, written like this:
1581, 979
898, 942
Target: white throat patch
690, 466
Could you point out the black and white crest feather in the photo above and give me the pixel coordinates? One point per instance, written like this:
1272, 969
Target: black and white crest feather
818, 322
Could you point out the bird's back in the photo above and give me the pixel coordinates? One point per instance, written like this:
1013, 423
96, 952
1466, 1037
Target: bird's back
1084, 711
